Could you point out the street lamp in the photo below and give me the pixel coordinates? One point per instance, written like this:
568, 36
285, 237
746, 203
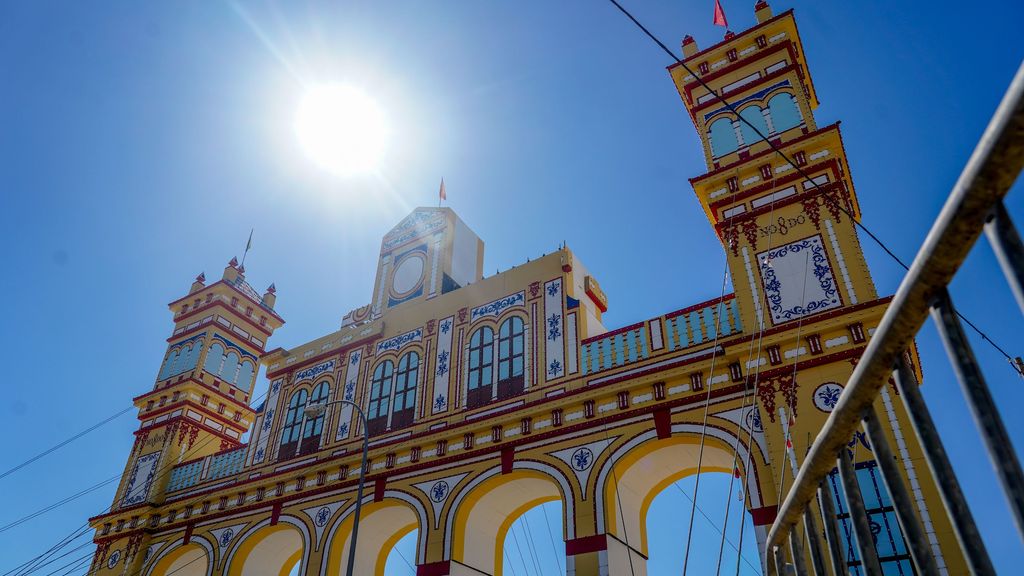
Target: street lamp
316, 410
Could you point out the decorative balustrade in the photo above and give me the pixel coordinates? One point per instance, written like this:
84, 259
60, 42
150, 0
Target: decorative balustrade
673, 331
213, 467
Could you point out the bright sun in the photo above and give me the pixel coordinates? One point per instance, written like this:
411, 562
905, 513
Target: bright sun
341, 128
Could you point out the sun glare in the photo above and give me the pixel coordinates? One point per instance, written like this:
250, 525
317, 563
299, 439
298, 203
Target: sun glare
341, 129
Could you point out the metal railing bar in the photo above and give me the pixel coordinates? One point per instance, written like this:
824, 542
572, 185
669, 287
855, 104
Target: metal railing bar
983, 407
913, 534
780, 562
1006, 243
991, 170
828, 515
814, 543
949, 487
858, 515
796, 550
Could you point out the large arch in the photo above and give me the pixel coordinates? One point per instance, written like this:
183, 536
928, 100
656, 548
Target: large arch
381, 525
268, 550
192, 559
485, 509
644, 466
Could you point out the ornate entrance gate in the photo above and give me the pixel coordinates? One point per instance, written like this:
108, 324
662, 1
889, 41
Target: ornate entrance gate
485, 397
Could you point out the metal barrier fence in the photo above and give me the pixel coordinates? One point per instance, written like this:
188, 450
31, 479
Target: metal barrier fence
975, 204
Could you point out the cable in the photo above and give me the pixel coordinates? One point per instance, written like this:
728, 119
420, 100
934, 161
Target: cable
65, 442
551, 534
803, 173
712, 523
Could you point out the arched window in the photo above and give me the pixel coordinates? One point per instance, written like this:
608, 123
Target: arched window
214, 358
292, 424
313, 428
165, 371
192, 359
229, 371
755, 116
723, 137
245, 372
481, 367
404, 405
510, 357
784, 111
380, 398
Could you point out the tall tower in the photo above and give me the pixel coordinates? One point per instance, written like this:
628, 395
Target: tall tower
788, 227
199, 404
770, 218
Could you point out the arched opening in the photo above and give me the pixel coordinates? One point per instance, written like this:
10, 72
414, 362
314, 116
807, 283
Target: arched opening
534, 543
484, 519
381, 526
664, 470
784, 111
755, 116
267, 551
188, 560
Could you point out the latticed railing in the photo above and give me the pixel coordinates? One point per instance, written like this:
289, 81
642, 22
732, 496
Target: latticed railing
213, 467
975, 205
673, 331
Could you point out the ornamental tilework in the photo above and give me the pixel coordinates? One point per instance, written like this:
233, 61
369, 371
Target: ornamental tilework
582, 458
442, 366
554, 347
261, 436
351, 381
142, 478
438, 491
798, 280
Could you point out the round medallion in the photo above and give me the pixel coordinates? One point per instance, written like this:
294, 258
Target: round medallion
226, 536
408, 274
322, 516
114, 558
582, 459
753, 419
439, 491
826, 396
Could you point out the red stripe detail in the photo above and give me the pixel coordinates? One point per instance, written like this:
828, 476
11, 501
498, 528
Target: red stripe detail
434, 569
507, 458
586, 545
663, 423
275, 513
378, 488
188, 534
764, 516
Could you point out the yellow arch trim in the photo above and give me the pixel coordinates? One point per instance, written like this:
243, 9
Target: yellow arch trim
483, 489
385, 550
636, 454
167, 561
290, 563
506, 525
334, 548
246, 547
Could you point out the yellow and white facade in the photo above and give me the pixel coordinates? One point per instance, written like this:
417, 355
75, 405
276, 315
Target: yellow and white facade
488, 396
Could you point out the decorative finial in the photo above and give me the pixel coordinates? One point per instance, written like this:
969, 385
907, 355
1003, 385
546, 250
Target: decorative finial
201, 278
272, 289
729, 34
687, 40
234, 262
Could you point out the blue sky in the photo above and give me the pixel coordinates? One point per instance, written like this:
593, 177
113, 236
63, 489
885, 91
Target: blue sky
141, 142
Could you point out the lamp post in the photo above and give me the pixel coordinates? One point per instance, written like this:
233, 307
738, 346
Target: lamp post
315, 410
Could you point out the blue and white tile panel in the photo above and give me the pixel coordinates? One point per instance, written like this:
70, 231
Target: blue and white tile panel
352, 366
261, 435
497, 307
141, 479
553, 330
442, 365
399, 341
798, 280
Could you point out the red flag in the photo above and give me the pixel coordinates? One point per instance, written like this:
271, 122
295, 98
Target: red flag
720, 15
789, 444
441, 194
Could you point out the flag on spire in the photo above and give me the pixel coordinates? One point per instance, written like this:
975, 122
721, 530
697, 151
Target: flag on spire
720, 15
442, 195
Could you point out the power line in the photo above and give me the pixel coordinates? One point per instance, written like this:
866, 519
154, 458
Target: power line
803, 173
65, 442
